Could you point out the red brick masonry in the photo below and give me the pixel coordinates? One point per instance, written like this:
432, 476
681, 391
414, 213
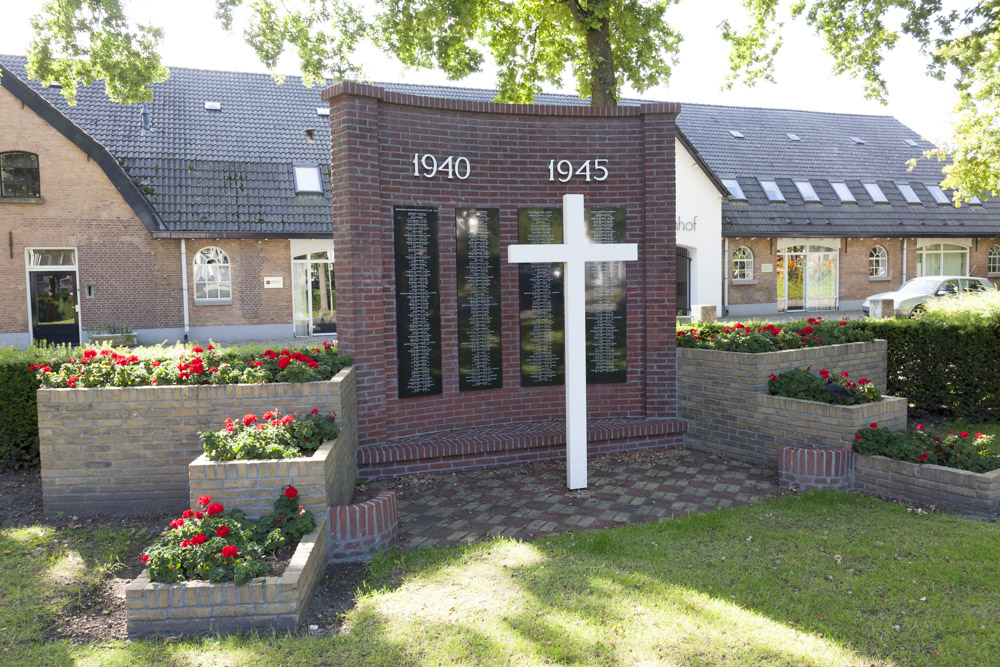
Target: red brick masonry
358, 531
802, 469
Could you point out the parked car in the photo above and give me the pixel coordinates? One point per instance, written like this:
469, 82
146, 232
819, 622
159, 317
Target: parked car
909, 299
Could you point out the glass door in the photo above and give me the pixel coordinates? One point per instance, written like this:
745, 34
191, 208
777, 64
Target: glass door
791, 281
821, 278
53, 307
314, 295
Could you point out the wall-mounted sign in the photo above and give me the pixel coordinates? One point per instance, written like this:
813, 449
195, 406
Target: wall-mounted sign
276, 282
766, 268
687, 225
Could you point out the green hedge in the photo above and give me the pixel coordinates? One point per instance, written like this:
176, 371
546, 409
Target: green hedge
18, 411
944, 365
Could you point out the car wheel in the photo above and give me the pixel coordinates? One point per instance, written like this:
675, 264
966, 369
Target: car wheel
918, 311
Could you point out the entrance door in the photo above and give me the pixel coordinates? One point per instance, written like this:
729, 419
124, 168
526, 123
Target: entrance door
54, 317
683, 281
791, 282
807, 278
314, 294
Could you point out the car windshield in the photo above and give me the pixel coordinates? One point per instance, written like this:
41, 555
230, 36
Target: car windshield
919, 286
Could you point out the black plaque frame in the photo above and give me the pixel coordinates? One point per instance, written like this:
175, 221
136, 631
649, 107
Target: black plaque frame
541, 301
607, 306
477, 278
418, 301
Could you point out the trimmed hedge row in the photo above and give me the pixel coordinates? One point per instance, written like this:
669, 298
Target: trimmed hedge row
18, 410
943, 365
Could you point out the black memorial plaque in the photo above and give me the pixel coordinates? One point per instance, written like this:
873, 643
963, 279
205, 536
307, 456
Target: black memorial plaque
606, 300
540, 289
418, 301
478, 284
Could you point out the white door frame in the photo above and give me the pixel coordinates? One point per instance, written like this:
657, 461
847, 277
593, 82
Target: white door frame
74, 268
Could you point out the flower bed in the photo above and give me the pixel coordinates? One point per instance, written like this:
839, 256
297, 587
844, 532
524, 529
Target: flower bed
271, 436
824, 387
961, 450
723, 396
127, 450
237, 600
758, 337
107, 368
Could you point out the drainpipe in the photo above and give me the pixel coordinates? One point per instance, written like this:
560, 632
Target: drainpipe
725, 277
184, 288
904, 260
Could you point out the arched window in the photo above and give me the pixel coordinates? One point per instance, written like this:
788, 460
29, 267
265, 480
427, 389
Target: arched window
878, 263
743, 263
19, 175
993, 264
213, 280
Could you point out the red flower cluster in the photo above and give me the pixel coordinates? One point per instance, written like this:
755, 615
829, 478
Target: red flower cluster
176, 523
249, 419
824, 374
229, 551
222, 531
40, 367
291, 492
194, 367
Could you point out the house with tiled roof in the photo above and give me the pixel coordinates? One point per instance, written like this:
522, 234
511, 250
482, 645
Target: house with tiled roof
207, 213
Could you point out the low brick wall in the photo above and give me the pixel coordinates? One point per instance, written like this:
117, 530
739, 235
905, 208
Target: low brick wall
804, 469
201, 607
359, 531
325, 478
126, 450
975, 493
719, 393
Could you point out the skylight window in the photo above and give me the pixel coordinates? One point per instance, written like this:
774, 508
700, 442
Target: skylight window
213, 106
805, 189
911, 142
793, 137
842, 191
938, 194
909, 195
772, 191
735, 191
307, 179
858, 141
875, 192
322, 111
737, 134
975, 201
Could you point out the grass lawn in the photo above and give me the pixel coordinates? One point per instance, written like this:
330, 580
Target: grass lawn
824, 578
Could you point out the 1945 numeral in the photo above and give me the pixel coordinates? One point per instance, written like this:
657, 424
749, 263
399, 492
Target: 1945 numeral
563, 170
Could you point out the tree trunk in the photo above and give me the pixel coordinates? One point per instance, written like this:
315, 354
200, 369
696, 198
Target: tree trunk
603, 82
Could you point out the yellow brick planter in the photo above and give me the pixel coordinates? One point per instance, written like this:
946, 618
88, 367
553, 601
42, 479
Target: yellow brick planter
970, 492
793, 422
200, 607
326, 478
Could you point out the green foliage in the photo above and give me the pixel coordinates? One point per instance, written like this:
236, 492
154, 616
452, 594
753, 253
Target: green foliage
943, 365
800, 383
18, 410
214, 545
756, 337
962, 450
270, 437
966, 306
960, 39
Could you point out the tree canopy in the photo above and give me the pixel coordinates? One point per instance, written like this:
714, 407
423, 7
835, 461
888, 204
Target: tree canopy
604, 43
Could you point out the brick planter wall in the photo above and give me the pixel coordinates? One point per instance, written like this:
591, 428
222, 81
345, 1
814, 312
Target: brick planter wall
359, 531
126, 450
975, 493
201, 607
323, 479
719, 392
804, 469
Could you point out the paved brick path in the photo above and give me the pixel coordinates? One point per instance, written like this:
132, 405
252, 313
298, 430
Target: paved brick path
532, 500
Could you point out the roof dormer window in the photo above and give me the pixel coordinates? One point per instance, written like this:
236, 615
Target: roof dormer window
938, 194
807, 191
843, 192
909, 195
772, 191
875, 192
735, 191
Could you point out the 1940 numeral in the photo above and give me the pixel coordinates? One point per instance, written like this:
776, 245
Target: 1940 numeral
563, 170
426, 165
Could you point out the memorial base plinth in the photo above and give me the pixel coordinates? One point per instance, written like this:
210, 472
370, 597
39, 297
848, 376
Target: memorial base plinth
496, 446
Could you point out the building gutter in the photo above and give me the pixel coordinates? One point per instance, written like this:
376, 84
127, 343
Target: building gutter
725, 276
184, 289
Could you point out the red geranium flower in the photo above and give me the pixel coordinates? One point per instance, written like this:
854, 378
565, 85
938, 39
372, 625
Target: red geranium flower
920, 427
844, 374
315, 411
290, 492
924, 457
199, 538
268, 416
229, 551
806, 330
145, 557
176, 523
197, 349
199, 515
188, 514
213, 509
249, 419
222, 531
185, 544
211, 347
979, 435
857, 437
204, 500
230, 428
873, 425
824, 374
963, 434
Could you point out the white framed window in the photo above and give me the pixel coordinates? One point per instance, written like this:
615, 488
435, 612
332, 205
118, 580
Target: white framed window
735, 191
844, 192
875, 192
307, 179
937, 193
878, 263
942, 259
909, 195
807, 191
993, 261
213, 277
772, 190
743, 263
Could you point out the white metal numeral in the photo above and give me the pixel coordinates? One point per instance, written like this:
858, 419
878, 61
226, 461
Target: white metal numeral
426, 165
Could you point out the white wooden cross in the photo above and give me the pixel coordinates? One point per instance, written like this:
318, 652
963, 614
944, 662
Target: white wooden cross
575, 252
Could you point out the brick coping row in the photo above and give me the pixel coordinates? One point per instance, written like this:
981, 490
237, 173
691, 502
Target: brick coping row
513, 437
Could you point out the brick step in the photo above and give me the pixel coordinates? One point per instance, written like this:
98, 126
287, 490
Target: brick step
466, 449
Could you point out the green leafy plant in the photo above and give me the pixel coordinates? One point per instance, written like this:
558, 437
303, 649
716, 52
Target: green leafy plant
952, 449
271, 436
800, 383
215, 545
